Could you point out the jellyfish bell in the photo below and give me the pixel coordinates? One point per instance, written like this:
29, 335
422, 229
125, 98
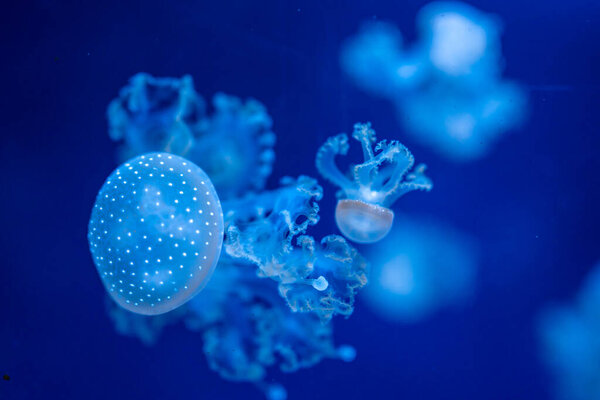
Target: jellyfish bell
156, 232
362, 222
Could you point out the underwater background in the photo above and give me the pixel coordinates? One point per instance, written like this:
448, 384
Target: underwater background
530, 204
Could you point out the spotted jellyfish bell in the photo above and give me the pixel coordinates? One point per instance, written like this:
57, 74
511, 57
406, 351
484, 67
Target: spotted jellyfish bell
362, 213
156, 232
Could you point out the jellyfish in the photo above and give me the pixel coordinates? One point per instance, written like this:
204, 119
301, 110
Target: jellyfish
447, 86
421, 267
271, 300
155, 114
273, 296
460, 42
362, 214
378, 63
155, 233
569, 337
233, 144
472, 120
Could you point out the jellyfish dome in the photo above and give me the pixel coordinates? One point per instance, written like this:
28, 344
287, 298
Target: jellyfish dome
460, 41
362, 213
156, 232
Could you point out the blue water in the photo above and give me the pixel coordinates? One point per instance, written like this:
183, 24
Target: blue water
531, 203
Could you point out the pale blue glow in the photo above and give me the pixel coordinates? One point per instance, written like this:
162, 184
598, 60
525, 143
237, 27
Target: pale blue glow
233, 144
274, 292
156, 232
471, 119
155, 114
371, 187
570, 343
447, 86
422, 266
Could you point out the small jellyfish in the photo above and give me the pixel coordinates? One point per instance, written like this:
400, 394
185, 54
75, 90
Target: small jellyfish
156, 232
362, 213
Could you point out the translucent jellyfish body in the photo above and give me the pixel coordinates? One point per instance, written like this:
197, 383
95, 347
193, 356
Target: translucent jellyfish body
570, 342
273, 294
233, 145
447, 86
422, 266
472, 120
155, 114
460, 42
362, 213
156, 232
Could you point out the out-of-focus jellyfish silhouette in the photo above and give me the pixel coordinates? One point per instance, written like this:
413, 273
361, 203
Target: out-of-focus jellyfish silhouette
421, 267
234, 144
156, 232
570, 342
362, 213
447, 87
471, 120
155, 114
274, 292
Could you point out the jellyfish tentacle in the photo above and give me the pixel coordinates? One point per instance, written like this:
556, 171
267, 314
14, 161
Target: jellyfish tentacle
326, 160
416, 180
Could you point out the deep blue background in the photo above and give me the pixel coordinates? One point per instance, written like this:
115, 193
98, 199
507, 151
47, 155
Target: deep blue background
533, 203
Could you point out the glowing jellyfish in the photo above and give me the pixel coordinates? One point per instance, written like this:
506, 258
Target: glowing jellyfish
447, 86
233, 144
460, 42
377, 62
362, 213
422, 266
570, 342
274, 293
155, 114
471, 120
156, 232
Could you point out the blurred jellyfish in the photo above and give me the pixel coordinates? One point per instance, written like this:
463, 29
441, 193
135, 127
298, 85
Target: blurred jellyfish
472, 120
460, 42
362, 213
272, 297
234, 145
422, 266
156, 232
447, 87
376, 61
155, 114
570, 342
